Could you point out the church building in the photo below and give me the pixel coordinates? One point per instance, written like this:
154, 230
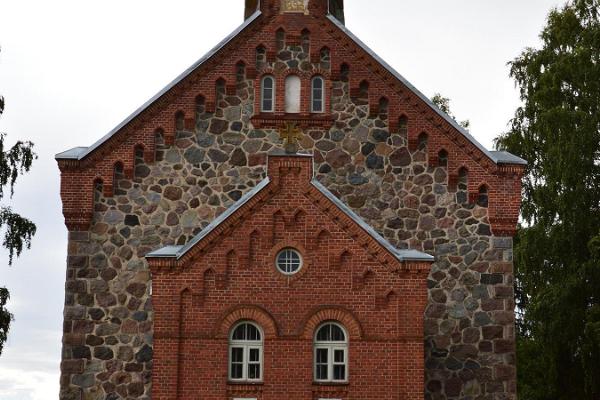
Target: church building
289, 218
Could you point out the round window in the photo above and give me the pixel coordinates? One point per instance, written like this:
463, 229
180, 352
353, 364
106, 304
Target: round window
289, 261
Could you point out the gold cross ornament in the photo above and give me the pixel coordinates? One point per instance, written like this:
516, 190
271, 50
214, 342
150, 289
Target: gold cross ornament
290, 134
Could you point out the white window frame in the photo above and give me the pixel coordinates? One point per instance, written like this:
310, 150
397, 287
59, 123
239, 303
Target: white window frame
313, 97
246, 346
282, 270
262, 94
331, 347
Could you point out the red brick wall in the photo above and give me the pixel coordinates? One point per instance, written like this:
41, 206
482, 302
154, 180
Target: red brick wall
199, 300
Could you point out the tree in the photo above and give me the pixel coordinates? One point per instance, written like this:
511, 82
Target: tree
443, 103
17, 230
557, 250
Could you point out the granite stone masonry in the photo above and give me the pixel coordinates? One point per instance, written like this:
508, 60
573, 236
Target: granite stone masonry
171, 170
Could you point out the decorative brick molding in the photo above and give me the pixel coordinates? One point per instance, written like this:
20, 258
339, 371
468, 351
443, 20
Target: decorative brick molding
330, 313
246, 313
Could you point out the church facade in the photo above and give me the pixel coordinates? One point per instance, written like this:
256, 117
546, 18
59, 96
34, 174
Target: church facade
289, 218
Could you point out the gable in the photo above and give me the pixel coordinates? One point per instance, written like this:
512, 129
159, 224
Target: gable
360, 53
290, 177
215, 78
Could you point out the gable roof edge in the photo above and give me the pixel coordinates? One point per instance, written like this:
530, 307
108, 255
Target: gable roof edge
496, 158
79, 153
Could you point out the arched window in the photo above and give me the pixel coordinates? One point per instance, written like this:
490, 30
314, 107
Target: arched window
403, 125
443, 158
317, 95
331, 353
422, 140
261, 56
292, 94
280, 39
363, 88
344, 72
483, 197
268, 94
240, 71
305, 38
246, 353
383, 107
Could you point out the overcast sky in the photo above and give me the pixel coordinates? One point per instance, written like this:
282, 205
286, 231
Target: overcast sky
71, 70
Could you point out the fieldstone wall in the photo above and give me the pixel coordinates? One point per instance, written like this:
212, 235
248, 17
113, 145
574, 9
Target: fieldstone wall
469, 324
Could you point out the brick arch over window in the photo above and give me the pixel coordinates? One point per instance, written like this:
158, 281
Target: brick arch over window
246, 313
330, 313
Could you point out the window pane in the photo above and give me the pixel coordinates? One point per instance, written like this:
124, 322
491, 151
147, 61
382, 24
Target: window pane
254, 355
252, 333
237, 355
338, 356
322, 356
337, 334
322, 372
239, 333
324, 334
267, 105
236, 371
339, 372
268, 83
254, 371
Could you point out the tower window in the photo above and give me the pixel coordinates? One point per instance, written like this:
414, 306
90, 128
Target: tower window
318, 90
292, 94
268, 94
289, 261
443, 158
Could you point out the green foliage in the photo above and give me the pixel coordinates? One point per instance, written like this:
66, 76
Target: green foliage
557, 251
17, 230
5, 317
443, 103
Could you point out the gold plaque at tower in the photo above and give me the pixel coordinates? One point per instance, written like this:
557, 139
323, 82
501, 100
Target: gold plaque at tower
295, 6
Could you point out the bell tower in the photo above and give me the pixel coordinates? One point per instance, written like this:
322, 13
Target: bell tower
307, 7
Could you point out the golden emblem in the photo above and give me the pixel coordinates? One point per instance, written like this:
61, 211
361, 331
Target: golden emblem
290, 134
294, 6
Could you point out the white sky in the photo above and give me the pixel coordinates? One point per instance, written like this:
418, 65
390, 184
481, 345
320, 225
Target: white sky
71, 70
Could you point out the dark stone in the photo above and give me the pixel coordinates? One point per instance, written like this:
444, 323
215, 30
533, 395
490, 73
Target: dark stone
140, 316
357, 179
238, 158
103, 353
237, 126
492, 279
484, 230
401, 158
218, 126
135, 389
137, 289
374, 161
82, 352
493, 332
144, 355
217, 155
482, 319
96, 314
395, 223
453, 364
106, 299
173, 193
367, 148
338, 158
380, 135
463, 351
325, 169
132, 220
235, 195
453, 387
